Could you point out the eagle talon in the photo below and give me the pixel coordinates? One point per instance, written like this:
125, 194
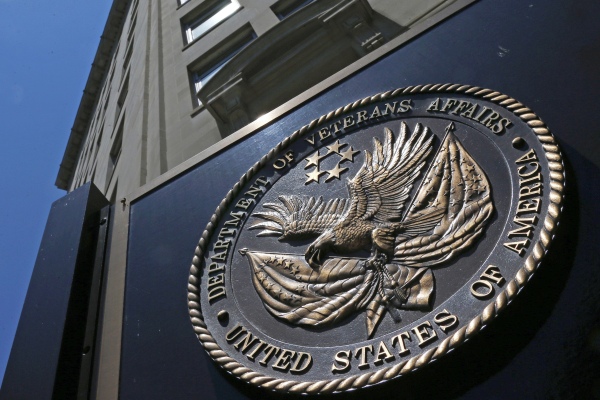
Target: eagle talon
376, 261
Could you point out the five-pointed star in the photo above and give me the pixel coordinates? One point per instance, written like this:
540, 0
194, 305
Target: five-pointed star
454, 202
313, 176
313, 160
335, 172
261, 276
348, 154
434, 203
335, 148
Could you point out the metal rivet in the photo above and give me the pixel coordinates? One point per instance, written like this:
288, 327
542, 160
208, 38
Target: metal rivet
518, 142
223, 316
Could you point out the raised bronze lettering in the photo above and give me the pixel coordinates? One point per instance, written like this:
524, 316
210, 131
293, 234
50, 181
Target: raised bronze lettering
434, 106
399, 340
483, 288
302, 364
445, 320
361, 116
424, 335
518, 247
383, 354
342, 358
361, 354
269, 352
283, 362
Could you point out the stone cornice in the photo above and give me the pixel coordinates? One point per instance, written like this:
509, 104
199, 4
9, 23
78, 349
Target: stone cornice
92, 90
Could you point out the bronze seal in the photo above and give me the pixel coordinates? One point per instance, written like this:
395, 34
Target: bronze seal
376, 239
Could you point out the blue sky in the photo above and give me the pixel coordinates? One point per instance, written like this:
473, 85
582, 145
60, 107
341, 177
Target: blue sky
46, 49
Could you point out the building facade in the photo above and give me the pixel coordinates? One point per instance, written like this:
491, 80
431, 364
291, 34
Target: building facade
148, 107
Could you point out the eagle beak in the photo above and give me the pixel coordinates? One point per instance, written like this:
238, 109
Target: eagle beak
313, 257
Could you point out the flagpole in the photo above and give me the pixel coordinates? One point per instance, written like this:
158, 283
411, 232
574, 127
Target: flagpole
449, 128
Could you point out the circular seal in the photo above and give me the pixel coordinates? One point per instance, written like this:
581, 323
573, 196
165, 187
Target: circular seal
376, 239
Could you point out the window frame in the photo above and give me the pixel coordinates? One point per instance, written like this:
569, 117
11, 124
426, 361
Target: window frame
200, 22
284, 8
114, 153
231, 46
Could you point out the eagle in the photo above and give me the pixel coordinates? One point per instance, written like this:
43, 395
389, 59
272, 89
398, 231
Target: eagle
370, 219
384, 215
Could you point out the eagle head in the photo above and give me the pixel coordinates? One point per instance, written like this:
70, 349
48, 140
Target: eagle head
316, 252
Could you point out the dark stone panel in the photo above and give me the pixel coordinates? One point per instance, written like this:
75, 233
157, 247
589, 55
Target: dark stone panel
544, 53
47, 350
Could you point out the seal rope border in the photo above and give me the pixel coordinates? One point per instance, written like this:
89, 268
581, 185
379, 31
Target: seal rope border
513, 287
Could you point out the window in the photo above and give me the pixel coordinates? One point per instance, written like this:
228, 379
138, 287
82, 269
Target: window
182, 2
106, 100
200, 79
113, 196
98, 140
122, 97
115, 152
304, 49
211, 15
285, 8
127, 58
113, 64
131, 28
134, 6
203, 74
132, 20
92, 174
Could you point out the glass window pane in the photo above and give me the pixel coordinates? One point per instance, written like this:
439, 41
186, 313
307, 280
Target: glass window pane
207, 22
200, 78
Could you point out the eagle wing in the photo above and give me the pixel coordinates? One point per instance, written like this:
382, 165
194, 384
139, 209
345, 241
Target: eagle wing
455, 199
299, 216
382, 185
